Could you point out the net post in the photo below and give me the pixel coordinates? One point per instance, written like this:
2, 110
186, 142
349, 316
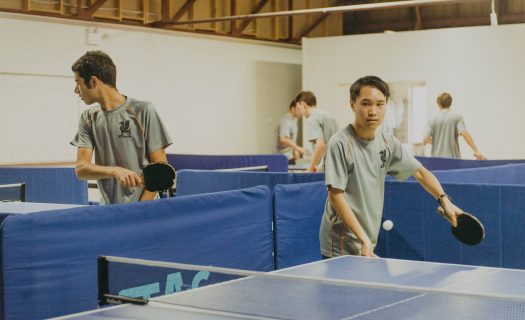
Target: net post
103, 280
22, 192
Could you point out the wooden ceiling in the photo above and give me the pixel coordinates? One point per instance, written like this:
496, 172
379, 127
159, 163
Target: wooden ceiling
286, 21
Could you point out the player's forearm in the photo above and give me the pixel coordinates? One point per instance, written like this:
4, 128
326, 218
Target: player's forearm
89, 171
470, 141
317, 154
341, 207
429, 182
289, 143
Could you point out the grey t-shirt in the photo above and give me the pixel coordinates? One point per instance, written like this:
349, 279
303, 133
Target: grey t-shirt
444, 128
287, 128
321, 125
359, 167
122, 137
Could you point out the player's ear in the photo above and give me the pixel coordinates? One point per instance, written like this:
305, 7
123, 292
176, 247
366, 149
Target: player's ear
351, 104
93, 82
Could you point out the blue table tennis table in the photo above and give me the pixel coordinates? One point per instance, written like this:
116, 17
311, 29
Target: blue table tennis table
347, 287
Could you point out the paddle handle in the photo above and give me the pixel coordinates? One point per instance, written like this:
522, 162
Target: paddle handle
441, 211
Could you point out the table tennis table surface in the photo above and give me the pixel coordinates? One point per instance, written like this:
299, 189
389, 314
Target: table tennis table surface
408, 290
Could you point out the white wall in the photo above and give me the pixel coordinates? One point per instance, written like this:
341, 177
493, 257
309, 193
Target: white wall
206, 89
482, 67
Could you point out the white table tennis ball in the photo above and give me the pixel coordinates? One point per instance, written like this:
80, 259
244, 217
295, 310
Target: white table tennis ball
388, 224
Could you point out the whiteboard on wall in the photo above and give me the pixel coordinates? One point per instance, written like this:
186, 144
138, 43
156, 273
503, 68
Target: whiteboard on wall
38, 117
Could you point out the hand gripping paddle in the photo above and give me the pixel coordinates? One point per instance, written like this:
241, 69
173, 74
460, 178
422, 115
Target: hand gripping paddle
158, 176
469, 229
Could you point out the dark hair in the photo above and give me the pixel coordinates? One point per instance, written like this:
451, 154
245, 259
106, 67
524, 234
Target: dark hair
307, 97
371, 81
444, 100
96, 63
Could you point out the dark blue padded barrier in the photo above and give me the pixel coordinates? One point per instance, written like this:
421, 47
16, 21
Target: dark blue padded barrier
447, 164
298, 209
49, 258
202, 181
48, 184
275, 162
504, 174
420, 233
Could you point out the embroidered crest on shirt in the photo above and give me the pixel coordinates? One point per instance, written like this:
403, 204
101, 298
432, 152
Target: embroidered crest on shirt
125, 130
383, 157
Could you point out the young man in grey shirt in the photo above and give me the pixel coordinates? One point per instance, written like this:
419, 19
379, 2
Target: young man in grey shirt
321, 126
125, 134
444, 129
286, 134
358, 159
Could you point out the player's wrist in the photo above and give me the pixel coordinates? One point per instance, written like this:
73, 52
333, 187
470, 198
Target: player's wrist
442, 198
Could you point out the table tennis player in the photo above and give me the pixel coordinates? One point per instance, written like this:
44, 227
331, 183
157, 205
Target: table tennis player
125, 134
358, 159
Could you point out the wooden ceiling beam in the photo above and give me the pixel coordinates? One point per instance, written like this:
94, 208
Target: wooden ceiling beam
246, 22
418, 25
89, 12
320, 18
166, 8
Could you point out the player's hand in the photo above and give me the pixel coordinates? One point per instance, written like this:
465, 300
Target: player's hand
367, 250
479, 156
451, 211
311, 169
127, 178
301, 151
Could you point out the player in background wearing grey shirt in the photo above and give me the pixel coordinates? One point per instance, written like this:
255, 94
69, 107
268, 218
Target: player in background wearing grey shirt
443, 130
286, 134
125, 134
321, 126
358, 159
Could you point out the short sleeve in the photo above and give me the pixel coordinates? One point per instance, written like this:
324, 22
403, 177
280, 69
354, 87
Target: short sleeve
315, 130
156, 133
428, 130
337, 164
84, 137
461, 125
402, 163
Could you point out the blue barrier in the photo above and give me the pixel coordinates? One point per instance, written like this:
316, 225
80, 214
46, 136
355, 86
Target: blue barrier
275, 162
419, 232
201, 181
48, 184
49, 258
298, 209
448, 164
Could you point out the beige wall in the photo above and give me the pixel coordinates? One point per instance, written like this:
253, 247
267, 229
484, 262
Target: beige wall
206, 89
482, 67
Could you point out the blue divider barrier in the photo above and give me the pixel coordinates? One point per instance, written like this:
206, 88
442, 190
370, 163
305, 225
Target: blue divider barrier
48, 184
275, 162
202, 181
298, 209
419, 233
504, 174
49, 258
447, 164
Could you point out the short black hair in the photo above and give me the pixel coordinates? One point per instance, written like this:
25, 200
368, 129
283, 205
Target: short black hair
96, 63
371, 81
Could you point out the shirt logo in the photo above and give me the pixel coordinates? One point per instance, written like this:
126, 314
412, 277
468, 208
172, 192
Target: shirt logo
125, 130
383, 157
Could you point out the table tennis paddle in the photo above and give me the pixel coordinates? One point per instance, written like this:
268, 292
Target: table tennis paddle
158, 176
469, 229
